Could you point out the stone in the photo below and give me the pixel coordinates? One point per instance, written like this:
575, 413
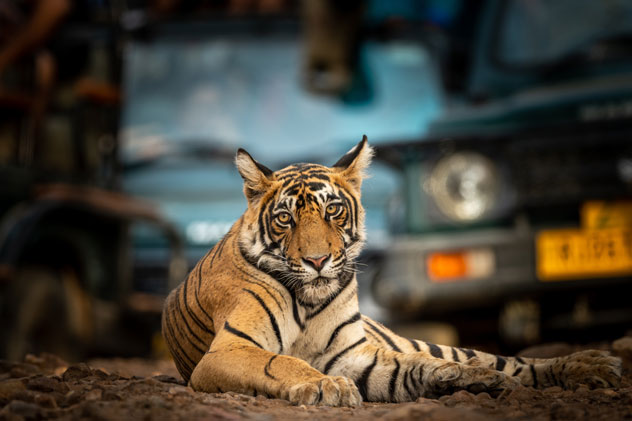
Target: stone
29, 411
23, 370
93, 395
169, 379
46, 384
553, 389
71, 398
8, 390
76, 372
46, 361
45, 400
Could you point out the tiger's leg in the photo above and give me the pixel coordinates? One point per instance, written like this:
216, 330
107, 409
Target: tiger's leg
593, 368
238, 361
384, 375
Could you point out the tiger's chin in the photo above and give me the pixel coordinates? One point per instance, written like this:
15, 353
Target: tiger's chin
318, 290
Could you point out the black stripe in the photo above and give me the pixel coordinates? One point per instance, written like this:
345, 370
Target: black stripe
388, 340
393, 381
535, 378
455, 355
191, 313
363, 382
215, 251
177, 346
197, 292
252, 280
240, 334
319, 309
291, 292
500, 363
468, 353
414, 344
266, 369
273, 321
180, 363
297, 317
261, 225
336, 357
520, 360
321, 176
352, 203
188, 337
336, 331
408, 380
553, 376
315, 185
264, 229
265, 288
518, 371
355, 212
549, 375
435, 351
419, 381
348, 196
345, 280
173, 311
368, 332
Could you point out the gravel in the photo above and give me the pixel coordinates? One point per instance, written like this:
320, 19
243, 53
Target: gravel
46, 387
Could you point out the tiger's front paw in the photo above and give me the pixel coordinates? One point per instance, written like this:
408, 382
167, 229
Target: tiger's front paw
592, 368
329, 391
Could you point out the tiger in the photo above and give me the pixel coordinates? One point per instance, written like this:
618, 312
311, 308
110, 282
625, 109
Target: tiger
272, 308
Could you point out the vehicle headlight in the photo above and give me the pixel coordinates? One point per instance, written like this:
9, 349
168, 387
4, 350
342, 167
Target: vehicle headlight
464, 186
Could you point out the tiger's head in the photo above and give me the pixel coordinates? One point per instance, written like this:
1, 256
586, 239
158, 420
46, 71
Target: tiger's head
305, 224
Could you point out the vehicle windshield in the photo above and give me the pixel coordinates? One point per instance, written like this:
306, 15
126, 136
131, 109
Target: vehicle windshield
546, 32
211, 97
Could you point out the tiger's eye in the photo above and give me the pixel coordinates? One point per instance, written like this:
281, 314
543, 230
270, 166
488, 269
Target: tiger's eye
332, 209
284, 217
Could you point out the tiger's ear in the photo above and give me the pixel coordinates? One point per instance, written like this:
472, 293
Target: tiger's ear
354, 163
257, 177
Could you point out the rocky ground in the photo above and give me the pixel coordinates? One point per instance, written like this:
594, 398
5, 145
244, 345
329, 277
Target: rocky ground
46, 387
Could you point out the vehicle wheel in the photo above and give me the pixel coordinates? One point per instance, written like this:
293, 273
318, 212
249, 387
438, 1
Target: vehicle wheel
44, 315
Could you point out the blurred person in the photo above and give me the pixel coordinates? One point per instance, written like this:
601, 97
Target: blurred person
22, 35
24, 27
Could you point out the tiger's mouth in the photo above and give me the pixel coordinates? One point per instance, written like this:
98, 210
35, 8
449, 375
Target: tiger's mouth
320, 281
318, 290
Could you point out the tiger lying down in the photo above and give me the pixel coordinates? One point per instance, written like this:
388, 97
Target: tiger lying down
272, 309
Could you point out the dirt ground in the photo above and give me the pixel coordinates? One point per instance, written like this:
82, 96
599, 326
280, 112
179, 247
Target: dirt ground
46, 387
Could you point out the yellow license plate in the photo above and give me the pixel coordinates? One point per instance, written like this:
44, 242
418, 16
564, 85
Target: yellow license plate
582, 253
613, 214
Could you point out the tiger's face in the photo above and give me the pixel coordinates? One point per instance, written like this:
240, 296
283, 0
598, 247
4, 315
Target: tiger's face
304, 223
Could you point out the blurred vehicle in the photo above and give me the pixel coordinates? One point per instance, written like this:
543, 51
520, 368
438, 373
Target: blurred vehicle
518, 199
65, 271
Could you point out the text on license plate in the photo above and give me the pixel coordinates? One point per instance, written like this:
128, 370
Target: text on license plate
576, 253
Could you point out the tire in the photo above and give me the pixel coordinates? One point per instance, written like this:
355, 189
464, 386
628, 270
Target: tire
43, 316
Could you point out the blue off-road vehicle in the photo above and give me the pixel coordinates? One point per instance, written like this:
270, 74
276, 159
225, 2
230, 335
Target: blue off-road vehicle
518, 199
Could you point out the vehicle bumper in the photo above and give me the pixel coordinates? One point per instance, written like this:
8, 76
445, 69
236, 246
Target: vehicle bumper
403, 286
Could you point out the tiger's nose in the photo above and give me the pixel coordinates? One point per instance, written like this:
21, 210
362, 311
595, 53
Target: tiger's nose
317, 262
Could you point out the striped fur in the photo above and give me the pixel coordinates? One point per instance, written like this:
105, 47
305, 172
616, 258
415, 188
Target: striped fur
272, 309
